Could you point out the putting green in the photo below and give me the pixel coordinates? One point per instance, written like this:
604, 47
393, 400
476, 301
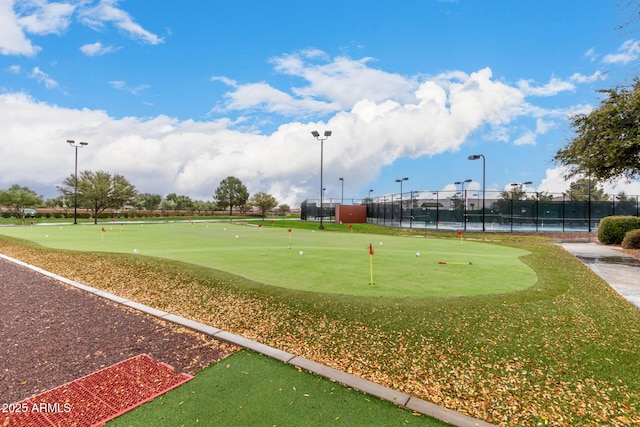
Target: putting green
308, 260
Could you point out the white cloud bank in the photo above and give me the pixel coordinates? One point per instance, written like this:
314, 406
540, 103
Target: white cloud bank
164, 155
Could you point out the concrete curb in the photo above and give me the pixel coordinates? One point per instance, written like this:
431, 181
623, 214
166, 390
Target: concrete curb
365, 386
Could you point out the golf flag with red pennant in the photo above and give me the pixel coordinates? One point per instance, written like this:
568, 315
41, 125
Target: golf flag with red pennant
102, 234
371, 264
289, 232
460, 234
260, 228
351, 228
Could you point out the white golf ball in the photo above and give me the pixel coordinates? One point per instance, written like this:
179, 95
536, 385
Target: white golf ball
135, 251
46, 235
381, 243
301, 252
417, 254
237, 236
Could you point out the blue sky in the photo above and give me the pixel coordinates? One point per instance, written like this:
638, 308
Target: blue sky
176, 96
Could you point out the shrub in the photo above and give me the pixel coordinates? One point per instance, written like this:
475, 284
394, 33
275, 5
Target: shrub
612, 229
631, 240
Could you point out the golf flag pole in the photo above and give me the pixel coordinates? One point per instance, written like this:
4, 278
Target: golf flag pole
371, 263
460, 234
289, 231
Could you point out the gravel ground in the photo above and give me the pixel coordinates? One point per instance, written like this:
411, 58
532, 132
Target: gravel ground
51, 333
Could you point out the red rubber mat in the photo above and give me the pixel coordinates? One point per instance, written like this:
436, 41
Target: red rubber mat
97, 398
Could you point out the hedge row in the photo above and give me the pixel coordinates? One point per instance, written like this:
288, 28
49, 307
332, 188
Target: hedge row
102, 215
612, 229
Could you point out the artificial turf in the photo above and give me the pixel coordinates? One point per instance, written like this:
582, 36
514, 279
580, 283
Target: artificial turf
562, 352
248, 389
309, 260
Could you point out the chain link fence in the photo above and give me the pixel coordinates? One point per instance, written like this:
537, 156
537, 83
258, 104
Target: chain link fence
525, 211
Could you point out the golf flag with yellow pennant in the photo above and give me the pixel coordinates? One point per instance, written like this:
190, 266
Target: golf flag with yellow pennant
371, 263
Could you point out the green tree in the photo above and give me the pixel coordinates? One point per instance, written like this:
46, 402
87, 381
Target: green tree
606, 144
18, 198
149, 201
579, 190
180, 202
231, 192
264, 202
99, 191
284, 209
58, 202
542, 197
504, 203
622, 197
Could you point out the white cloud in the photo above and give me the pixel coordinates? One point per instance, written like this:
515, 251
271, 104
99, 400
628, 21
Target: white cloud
627, 53
43, 17
97, 49
21, 17
14, 69
554, 87
528, 138
165, 155
591, 54
43, 77
555, 182
121, 85
543, 127
12, 38
106, 11
581, 78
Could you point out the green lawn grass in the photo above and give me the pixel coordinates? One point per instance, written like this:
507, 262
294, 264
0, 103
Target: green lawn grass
307, 259
562, 352
248, 389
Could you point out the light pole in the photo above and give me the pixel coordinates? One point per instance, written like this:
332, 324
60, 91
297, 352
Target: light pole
589, 205
437, 210
513, 192
462, 194
476, 157
342, 194
75, 194
400, 180
327, 134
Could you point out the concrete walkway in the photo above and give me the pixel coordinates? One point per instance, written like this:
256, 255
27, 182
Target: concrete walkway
371, 388
620, 271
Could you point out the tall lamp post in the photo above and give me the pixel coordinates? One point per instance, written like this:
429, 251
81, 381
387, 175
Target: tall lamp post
342, 194
437, 210
327, 134
464, 208
75, 194
476, 157
400, 180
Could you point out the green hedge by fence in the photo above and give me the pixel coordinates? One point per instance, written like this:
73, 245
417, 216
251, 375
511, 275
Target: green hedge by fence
612, 229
